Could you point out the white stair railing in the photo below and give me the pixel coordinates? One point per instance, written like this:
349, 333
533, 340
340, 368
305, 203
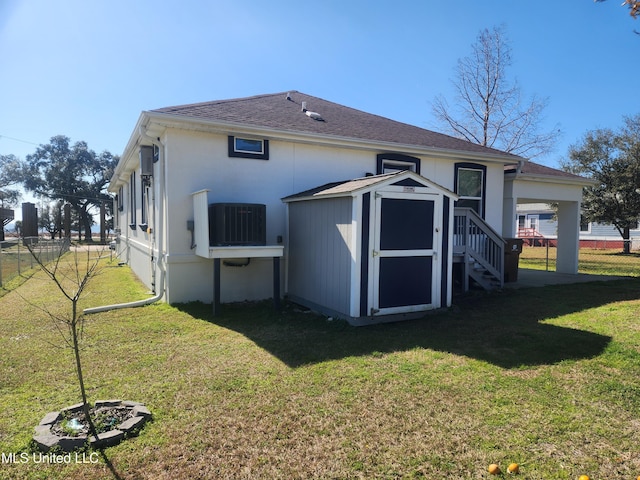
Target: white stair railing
479, 244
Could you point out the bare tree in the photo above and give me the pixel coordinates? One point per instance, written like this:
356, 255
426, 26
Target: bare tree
71, 273
634, 6
489, 109
634, 9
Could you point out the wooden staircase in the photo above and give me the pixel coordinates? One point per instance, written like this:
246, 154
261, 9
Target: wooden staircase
479, 249
531, 236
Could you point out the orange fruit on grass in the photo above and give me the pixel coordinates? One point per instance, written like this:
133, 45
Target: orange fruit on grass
583, 477
513, 468
494, 469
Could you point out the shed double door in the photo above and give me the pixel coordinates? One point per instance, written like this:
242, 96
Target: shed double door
406, 240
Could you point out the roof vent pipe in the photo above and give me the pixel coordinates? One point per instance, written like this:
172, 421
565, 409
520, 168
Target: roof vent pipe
314, 115
304, 106
289, 96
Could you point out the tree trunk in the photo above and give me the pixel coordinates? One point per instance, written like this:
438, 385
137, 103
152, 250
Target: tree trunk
85, 224
76, 351
626, 236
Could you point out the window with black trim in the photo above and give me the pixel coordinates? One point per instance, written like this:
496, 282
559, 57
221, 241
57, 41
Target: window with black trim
119, 208
132, 201
244, 147
144, 200
120, 199
585, 225
394, 162
470, 181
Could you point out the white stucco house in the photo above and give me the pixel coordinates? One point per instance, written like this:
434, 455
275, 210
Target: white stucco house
347, 212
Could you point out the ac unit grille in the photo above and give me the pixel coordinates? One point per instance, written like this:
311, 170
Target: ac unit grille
237, 224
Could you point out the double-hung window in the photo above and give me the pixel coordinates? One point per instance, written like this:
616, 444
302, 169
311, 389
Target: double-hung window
132, 201
470, 185
144, 203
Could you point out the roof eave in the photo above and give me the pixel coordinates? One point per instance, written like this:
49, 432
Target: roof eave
581, 181
169, 120
128, 158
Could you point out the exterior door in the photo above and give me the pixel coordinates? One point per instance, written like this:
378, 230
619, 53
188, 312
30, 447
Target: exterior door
405, 266
522, 222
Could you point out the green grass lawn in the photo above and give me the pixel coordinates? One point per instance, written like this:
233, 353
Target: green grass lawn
545, 377
590, 260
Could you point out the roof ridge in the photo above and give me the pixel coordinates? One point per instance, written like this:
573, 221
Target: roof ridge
221, 101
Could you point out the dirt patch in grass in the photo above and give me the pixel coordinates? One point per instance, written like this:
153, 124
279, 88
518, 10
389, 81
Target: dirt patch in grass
104, 419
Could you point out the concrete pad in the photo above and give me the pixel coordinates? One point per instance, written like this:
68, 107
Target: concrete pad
528, 278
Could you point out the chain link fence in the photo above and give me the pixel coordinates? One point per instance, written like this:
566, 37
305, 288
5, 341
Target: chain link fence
16, 257
607, 259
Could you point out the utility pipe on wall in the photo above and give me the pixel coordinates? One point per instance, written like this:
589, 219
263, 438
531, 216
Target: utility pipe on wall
159, 231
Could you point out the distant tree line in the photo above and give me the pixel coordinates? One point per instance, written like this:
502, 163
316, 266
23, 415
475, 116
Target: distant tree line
61, 172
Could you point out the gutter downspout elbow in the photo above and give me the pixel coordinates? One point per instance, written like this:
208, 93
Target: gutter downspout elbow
138, 303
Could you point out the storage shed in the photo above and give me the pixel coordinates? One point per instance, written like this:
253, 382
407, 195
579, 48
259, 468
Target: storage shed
374, 249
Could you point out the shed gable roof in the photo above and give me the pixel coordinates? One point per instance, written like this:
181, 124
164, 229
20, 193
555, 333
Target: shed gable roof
358, 185
283, 111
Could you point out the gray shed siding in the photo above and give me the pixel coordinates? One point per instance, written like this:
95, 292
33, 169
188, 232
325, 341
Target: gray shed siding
320, 256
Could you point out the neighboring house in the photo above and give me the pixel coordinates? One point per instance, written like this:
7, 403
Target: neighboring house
537, 223
6, 217
287, 193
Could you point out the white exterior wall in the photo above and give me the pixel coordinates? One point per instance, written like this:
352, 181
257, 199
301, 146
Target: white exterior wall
199, 160
134, 245
494, 196
568, 196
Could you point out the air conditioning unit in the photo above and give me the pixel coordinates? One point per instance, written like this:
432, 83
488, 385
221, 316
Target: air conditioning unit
237, 224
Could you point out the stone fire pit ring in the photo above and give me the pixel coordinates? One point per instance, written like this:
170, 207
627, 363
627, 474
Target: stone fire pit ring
45, 439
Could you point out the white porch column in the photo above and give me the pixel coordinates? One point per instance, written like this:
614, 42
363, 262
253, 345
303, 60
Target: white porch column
568, 237
509, 217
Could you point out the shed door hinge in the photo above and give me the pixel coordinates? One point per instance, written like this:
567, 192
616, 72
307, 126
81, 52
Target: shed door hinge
374, 311
375, 253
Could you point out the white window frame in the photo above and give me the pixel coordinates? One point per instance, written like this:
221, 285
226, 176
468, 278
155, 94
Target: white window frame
246, 139
389, 166
480, 198
234, 151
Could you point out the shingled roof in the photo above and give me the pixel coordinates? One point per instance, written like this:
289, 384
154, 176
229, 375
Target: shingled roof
283, 111
535, 169
345, 186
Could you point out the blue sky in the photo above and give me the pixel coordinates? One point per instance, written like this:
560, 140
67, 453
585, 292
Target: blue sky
86, 69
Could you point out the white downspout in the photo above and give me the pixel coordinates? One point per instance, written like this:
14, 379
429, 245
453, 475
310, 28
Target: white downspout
157, 233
